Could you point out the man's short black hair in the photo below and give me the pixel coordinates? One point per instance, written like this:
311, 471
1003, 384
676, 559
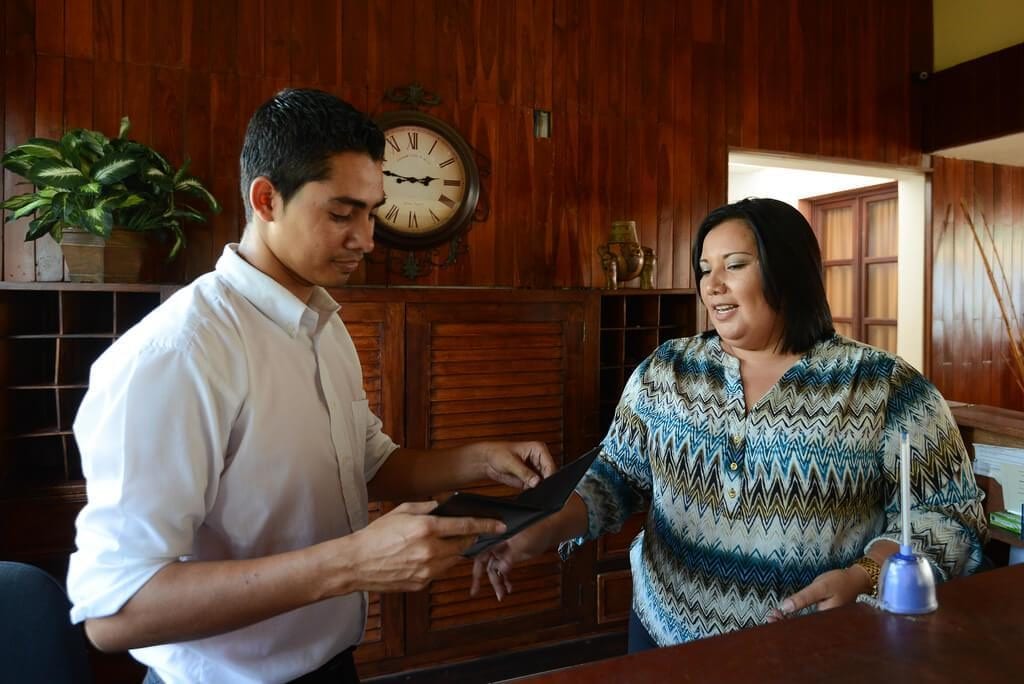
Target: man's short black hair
790, 260
291, 138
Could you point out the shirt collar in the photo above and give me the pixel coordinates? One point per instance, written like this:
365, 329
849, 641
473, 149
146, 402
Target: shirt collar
273, 299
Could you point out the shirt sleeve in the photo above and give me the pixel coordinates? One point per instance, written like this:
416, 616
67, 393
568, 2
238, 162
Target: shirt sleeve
947, 520
152, 431
379, 446
618, 483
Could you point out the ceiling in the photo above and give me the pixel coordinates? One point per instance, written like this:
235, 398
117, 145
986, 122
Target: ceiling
1007, 150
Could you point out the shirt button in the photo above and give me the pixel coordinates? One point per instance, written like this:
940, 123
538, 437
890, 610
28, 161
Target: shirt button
733, 466
737, 440
732, 493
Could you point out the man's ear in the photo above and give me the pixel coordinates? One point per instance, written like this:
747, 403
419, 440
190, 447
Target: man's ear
261, 197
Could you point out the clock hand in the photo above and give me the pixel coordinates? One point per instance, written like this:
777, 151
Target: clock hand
426, 180
400, 178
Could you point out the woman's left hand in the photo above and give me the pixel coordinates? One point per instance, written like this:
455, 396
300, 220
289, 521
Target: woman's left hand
828, 590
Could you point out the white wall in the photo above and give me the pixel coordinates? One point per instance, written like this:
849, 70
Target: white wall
791, 179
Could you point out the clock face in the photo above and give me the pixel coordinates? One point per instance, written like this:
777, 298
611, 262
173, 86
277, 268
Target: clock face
431, 183
424, 180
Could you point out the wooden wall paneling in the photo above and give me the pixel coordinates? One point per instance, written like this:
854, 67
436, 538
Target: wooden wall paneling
222, 35
985, 312
302, 44
276, 40
49, 263
969, 344
718, 149
78, 29
79, 93
684, 117
425, 48
108, 30
49, 27
3, 143
447, 50
538, 30
699, 144
226, 134
19, 126
249, 48
483, 256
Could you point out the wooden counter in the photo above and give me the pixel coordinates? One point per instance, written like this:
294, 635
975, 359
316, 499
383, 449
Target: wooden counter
976, 635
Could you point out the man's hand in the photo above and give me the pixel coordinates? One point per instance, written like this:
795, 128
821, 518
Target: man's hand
407, 548
516, 464
828, 590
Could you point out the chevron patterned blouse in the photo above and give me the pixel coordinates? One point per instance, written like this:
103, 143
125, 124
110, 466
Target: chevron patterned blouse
746, 508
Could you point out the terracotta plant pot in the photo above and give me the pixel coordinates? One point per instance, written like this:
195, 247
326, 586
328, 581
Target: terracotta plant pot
127, 257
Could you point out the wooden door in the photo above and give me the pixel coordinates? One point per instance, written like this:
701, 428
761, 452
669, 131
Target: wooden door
495, 371
858, 232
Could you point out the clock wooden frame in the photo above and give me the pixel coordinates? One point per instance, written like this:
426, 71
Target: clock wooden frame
394, 237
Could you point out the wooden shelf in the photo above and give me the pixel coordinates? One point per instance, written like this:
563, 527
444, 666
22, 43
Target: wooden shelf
50, 335
999, 534
633, 324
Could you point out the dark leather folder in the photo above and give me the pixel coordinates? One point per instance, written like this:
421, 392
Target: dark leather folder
519, 512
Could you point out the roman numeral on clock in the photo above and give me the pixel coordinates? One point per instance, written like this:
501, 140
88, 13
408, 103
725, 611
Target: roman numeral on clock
447, 162
392, 213
414, 140
394, 144
413, 223
454, 183
446, 201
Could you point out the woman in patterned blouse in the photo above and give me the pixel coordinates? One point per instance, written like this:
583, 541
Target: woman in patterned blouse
765, 452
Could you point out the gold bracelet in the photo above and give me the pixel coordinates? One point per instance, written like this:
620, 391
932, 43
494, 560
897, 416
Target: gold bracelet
873, 569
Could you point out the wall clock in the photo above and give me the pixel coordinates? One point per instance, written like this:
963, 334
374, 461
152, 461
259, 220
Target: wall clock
431, 181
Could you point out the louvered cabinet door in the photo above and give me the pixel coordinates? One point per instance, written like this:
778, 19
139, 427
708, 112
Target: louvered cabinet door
377, 332
490, 371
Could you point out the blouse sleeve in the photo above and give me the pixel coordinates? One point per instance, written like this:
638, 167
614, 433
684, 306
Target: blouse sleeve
947, 520
618, 483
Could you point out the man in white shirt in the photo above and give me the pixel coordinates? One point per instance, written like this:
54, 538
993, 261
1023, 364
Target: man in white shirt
229, 452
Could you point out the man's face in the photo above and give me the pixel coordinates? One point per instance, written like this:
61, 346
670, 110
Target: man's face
322, 234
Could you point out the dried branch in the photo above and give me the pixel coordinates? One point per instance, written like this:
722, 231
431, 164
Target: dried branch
1012, 328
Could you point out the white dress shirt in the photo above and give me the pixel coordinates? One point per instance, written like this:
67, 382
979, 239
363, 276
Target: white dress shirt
230, 423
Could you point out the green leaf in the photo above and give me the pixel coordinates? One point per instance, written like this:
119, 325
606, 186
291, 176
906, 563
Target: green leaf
181, 173
190, 214
54, 173
160, 181
92, 188
192, 186
57, 231
96, 142
17, 164
31, 207
40, 148
113, 168
39, 227
126, 124
98, 221
18, 201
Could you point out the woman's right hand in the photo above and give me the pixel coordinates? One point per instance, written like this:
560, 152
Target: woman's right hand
496, 562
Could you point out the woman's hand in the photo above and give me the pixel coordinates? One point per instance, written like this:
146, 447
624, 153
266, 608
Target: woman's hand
828, 590
496, 563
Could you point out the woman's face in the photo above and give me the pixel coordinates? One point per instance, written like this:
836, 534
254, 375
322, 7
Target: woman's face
733, 291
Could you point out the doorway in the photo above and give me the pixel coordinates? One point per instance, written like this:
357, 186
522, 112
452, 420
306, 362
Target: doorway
897, 317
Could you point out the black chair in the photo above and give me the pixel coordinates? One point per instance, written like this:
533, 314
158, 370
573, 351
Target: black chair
38, 643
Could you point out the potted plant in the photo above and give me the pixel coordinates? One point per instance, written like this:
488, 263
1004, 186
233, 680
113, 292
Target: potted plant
101, 198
